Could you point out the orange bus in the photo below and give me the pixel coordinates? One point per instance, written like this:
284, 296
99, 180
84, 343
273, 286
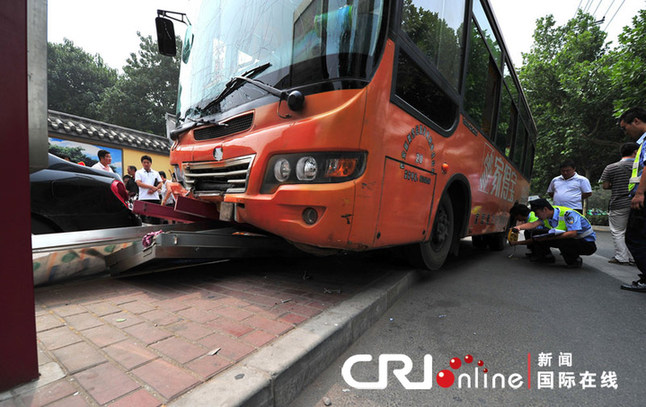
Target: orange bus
353, 124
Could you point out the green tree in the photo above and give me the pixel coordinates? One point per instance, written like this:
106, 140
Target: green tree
76, 80
567, 81
145, 92
628, 62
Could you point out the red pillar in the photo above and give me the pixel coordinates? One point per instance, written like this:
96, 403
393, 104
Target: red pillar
18, 352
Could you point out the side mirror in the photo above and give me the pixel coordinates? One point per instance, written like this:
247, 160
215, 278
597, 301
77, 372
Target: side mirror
166, 36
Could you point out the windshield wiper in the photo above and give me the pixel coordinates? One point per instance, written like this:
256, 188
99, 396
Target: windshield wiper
237, 81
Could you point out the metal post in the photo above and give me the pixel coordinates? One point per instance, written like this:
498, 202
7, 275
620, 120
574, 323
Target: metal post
18, 352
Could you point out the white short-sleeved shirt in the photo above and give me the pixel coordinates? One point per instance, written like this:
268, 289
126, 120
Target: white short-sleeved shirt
567, 192
147, 178
99, 166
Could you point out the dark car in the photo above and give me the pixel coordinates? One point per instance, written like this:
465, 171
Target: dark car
67, 197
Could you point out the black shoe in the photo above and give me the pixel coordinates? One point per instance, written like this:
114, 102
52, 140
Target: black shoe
548, 258
576, 264
635, 286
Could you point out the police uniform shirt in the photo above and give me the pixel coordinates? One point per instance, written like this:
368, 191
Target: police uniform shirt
573, 221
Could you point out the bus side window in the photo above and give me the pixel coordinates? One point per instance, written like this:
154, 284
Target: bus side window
482, 83
506, 122
437, 28
529, 160
417, 89
518, 151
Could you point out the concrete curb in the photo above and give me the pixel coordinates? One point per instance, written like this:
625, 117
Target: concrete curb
277, 373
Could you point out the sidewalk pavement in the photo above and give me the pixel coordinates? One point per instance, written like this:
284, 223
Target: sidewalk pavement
234, 333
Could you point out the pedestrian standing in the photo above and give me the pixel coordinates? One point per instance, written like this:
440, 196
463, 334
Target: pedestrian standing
131, 185
149, 183
615, 177
105, 159
633, 123
569, 189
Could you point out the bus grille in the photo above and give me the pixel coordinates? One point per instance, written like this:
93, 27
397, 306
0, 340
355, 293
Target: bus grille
226, 127
218, 178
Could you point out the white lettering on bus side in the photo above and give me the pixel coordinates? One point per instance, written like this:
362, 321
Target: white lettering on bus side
498, 177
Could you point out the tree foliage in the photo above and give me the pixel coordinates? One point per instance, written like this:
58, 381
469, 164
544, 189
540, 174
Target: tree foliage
82, 85
76, 80
569, 89
628, 61
145, 92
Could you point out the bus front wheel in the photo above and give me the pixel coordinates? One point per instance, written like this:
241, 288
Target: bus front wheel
436, 249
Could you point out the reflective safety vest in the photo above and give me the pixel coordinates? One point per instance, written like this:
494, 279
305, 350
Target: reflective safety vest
562, 225
531, 217
634, 177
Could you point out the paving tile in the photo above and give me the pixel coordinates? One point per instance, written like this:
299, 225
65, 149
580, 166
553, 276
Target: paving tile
139, 398
268, 325
43, 356
48, 321
228, 326
172, 305
129, 353
165, 378
190, 330
198, 315
104, 335
75, 400
260, 299
147, 333
237, 314
160, 317
258, 338
83, 321
79, 356
229, 301
179, 349
137, 307
207, 366
58, 337
293, 318
302, 309
48, 393
105, 382
67, 310
204, 303
230, 348
102, 309
123, 319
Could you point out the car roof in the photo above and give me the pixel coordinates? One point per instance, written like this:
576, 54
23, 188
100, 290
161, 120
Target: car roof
57, 163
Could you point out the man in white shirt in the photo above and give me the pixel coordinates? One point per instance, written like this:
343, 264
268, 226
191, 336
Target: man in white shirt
105, 158
149, 183
569, 189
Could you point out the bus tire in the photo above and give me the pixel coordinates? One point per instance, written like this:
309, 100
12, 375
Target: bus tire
479, 242
436, 249
496, 241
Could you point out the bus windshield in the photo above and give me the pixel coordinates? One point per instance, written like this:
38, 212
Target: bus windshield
295, 42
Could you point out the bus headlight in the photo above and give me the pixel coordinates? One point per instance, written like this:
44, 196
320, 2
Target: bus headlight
282, 170
312, 168
306, 169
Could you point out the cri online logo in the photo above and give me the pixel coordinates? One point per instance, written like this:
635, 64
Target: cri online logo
444, 378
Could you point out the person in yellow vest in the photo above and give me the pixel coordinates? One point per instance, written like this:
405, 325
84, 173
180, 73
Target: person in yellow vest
568, 231
633, 123
520, 213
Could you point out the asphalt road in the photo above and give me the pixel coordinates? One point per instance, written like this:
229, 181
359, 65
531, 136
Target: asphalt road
505, 312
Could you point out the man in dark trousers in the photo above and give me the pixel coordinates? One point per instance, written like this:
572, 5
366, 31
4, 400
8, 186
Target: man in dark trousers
568, 231
633, 123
